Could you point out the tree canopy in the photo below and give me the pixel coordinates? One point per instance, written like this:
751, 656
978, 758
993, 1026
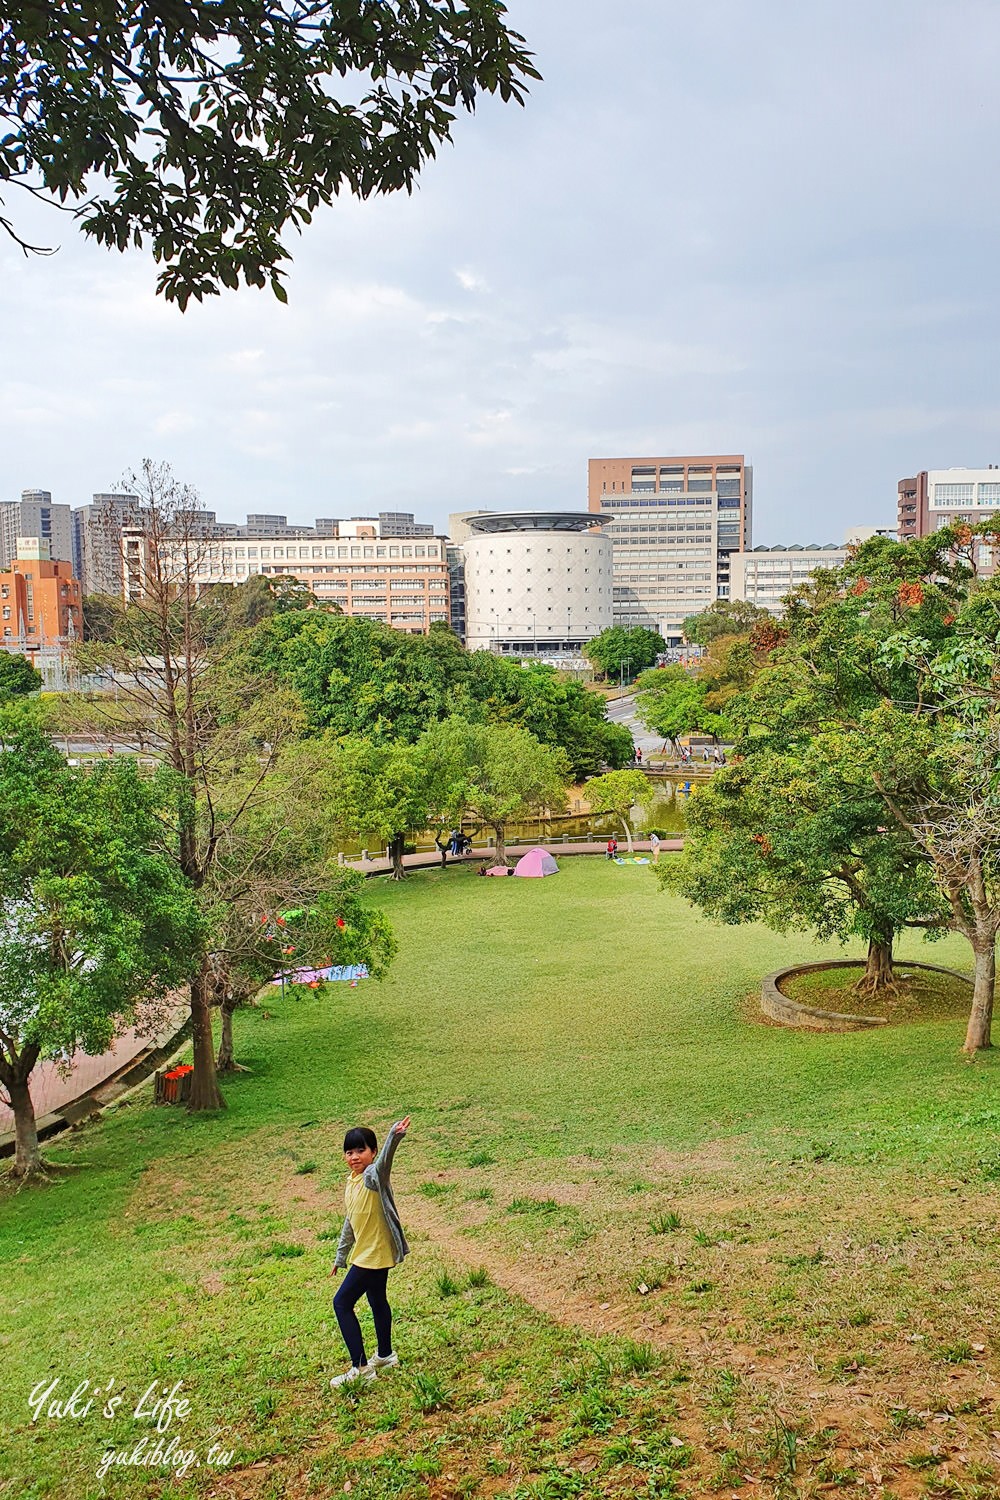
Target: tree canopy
360, 677
95, 916
204, 130
617, 792
872, 714
494, 773
18, 677
618, 650
723, 617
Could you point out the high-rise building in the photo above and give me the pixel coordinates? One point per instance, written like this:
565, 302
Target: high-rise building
97, 551
35, 515
674, 524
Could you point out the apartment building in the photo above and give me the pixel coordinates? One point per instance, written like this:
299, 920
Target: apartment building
35, 515
675, 524
402, 582
40, 600
941, 497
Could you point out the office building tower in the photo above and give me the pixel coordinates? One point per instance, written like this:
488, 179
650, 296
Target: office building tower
97, 552
675, 524
34, 515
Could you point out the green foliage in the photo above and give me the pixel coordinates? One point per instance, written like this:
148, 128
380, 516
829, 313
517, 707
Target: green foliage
95, 917
618, 650
671, 702
216, 132
618, 792
723, 617
494, 774
360, 678
18, 677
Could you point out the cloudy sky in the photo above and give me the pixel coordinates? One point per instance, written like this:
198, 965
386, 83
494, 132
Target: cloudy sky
764, 228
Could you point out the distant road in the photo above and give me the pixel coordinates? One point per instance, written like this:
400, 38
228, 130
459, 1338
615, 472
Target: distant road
622, 711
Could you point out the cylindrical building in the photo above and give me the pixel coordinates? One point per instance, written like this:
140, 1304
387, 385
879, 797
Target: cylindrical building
537, 582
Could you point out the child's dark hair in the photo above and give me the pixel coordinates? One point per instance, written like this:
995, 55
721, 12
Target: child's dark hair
358, 1137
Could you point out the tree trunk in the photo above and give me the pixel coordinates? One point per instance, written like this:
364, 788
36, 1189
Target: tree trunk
628, 835
226, 1062
27, 1152
977, 1034
878, 975
396, 855
500, 855
205, 1091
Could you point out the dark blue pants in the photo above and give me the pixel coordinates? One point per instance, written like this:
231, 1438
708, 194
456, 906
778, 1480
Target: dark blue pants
361, 1282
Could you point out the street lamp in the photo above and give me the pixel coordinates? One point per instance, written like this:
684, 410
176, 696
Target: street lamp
621, 675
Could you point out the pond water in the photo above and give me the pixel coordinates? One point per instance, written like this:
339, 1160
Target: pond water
665, 813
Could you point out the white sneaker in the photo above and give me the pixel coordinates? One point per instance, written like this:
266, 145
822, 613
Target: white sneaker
382, 1362
365, 1373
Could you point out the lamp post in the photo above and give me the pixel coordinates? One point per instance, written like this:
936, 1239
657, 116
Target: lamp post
627, 662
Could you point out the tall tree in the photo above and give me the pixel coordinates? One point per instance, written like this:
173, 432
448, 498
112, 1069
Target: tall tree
188, 702
216, 126
800, 841
494, 774
375, 791
672, 702
93, 916
617, 792
889, 666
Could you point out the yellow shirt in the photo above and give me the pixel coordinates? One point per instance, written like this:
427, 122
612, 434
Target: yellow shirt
373, 1246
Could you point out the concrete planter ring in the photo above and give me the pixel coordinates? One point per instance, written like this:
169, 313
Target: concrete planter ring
777, 1006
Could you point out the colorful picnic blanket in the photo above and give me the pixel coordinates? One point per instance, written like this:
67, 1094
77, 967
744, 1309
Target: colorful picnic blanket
631, 859
350, 972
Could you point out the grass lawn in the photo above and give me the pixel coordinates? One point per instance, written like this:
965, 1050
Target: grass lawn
660, 1248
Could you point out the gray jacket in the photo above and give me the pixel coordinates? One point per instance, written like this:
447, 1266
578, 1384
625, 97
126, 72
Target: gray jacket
377, 1179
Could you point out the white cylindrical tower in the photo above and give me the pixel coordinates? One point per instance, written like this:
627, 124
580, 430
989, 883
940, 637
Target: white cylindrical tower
537, 583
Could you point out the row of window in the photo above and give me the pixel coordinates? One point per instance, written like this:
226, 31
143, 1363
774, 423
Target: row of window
966, 494
213, 554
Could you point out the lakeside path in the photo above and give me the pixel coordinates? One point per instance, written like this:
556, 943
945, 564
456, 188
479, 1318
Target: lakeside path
428, 859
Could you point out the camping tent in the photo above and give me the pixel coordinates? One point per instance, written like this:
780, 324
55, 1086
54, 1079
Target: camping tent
536, 862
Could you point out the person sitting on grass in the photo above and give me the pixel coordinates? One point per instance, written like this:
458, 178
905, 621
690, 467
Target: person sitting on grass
374, 1238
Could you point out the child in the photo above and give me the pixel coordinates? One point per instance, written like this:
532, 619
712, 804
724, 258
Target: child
372, 1227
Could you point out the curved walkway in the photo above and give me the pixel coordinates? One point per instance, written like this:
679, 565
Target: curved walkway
428, 859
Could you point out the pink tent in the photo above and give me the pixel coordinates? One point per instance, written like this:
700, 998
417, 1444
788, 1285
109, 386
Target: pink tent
536, 862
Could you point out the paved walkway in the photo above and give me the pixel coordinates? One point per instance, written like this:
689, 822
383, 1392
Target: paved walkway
427, 859
51, 1088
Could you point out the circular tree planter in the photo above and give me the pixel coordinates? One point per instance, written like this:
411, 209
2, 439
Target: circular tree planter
777, 1006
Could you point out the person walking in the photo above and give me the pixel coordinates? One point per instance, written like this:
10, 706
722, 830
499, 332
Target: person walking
373, 1239
654, 846
638, 754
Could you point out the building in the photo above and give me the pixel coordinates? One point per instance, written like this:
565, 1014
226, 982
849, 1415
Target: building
40, 601
35, 515
403, 583
675, 524
940, 497
765, 575
97, 552
537, 583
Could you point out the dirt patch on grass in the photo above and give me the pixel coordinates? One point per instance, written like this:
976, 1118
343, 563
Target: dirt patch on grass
848, 1328
916, 994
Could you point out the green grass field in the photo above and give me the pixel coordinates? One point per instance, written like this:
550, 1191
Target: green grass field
719, 1257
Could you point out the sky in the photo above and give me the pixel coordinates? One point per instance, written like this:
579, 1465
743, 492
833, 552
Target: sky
768, 229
